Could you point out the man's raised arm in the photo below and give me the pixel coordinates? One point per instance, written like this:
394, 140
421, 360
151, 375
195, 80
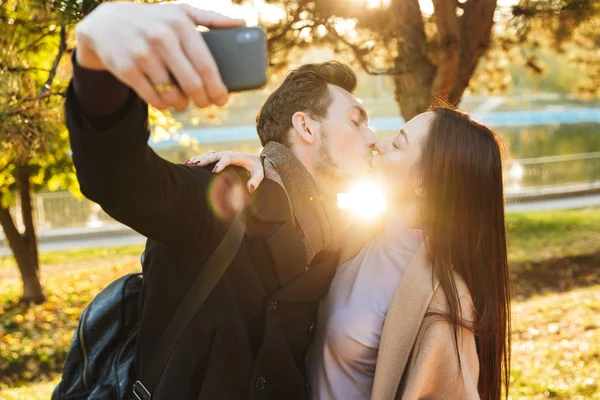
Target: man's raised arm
126, 57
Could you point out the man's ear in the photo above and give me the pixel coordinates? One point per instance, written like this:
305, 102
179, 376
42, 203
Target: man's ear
300, 122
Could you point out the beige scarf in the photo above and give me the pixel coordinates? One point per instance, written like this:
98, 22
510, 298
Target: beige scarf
317, 217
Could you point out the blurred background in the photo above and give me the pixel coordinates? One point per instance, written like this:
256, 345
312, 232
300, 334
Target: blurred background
530, 69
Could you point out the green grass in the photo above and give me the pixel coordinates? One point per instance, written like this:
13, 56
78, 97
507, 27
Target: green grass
73, 257
537, 236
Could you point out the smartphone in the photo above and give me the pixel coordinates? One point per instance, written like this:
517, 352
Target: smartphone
241, 55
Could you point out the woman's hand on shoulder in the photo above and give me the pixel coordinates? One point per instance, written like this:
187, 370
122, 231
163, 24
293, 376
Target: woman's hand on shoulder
250, 162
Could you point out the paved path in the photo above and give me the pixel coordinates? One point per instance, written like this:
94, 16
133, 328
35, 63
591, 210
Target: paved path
128, 238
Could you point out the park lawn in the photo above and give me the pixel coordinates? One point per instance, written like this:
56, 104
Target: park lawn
34, 340
556, 286
35, 391
556, 342
542, 235
556, 346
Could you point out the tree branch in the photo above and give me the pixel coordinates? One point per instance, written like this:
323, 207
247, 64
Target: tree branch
23, 105
61, 50
23, 69
360, 53
530, 9
283, 29
36, 41
8, 225
17, 21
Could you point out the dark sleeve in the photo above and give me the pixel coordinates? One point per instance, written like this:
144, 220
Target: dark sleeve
101, 97
117, 169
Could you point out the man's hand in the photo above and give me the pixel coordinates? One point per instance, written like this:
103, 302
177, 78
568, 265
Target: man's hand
146, 46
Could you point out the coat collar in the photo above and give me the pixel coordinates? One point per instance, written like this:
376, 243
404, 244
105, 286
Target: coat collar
299, 283
402, 324
270, 203
315, 215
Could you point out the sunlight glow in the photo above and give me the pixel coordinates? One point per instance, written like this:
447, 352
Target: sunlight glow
366, 200
258, 11
252, 12
517, 172
377, 3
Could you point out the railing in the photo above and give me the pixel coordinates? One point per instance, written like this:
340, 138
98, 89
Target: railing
62, 211
582, 170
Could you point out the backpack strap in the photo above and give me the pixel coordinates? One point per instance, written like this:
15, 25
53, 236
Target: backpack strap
210, 274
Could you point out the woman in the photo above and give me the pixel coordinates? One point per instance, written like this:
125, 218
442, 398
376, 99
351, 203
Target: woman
423, 309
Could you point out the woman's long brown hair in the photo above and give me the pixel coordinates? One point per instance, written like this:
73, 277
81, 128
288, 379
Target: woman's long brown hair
463, 212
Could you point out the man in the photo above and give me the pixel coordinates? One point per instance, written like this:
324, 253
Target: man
250, 337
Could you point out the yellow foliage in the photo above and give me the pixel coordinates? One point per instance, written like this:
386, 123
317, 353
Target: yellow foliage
34, 340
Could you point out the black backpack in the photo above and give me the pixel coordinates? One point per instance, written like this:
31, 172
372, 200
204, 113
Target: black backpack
100, 363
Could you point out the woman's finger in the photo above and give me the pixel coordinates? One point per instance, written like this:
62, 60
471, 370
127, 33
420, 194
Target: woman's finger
224, 162
243, 160
192, 161
224, 159
257, 174
252, 164
204, 159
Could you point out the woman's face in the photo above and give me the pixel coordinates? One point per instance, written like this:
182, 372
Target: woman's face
399, 155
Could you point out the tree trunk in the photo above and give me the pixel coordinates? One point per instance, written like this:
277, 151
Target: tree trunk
413, 86
413, 93
29, 235
24, 247
476, 34
460, 43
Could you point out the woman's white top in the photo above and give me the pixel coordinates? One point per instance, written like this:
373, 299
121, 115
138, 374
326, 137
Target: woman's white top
341, 361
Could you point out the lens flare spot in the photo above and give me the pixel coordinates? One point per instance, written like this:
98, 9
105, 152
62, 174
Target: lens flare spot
366, 200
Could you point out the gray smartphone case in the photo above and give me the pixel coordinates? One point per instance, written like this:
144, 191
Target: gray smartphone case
241, 55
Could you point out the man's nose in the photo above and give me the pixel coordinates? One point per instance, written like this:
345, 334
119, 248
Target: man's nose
379, 147
372, 140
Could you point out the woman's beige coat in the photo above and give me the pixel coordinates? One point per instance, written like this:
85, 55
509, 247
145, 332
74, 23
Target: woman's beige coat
417, 357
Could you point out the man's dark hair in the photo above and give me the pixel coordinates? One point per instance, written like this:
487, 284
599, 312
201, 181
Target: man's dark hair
304, 89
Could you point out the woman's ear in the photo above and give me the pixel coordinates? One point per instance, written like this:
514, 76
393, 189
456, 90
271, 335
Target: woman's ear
300, 122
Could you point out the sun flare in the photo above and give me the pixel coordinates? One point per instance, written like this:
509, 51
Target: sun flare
366, 200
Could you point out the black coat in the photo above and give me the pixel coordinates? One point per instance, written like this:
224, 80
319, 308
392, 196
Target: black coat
249, 340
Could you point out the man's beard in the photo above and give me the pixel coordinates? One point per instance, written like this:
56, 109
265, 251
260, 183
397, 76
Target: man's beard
327, 171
